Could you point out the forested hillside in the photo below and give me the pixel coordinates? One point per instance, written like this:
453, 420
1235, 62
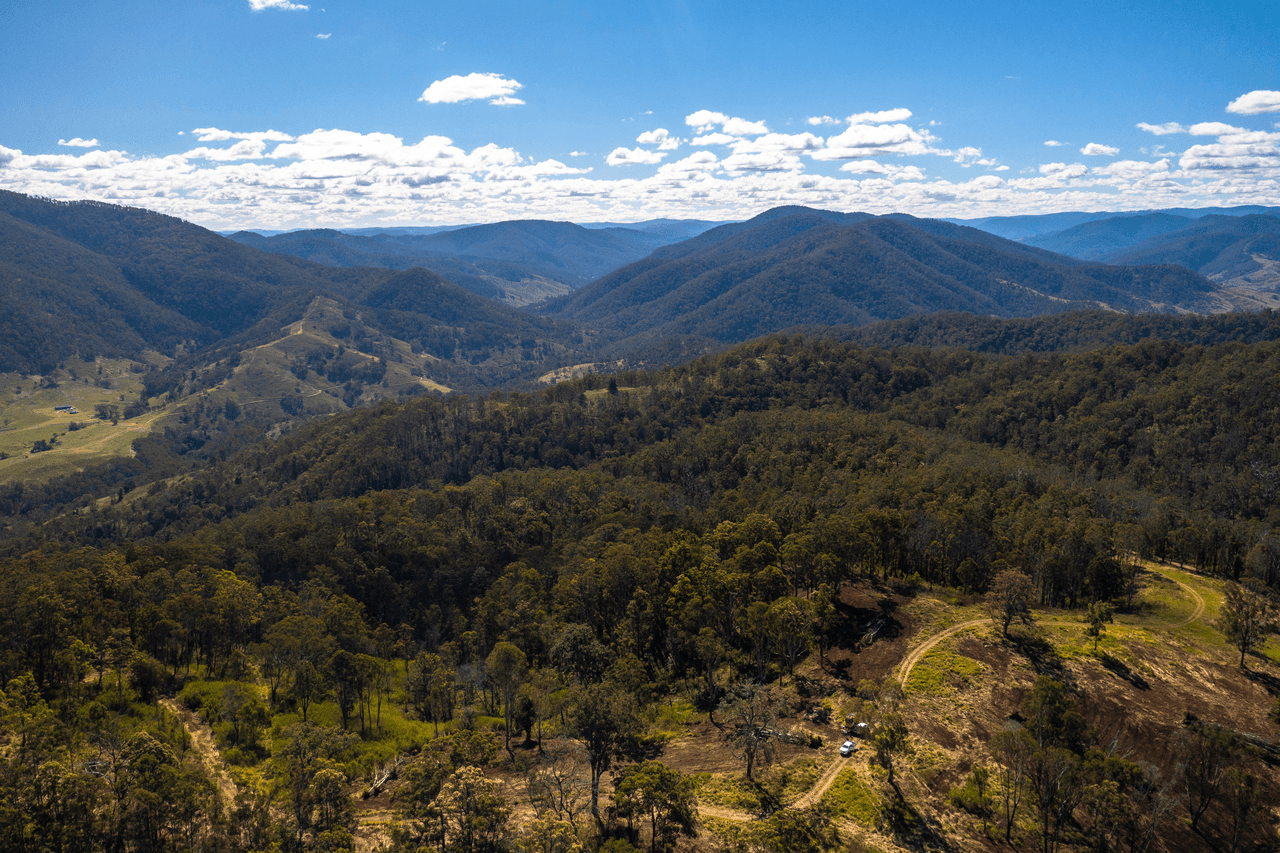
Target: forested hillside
86, 279
516, 262
551, 584
793, 267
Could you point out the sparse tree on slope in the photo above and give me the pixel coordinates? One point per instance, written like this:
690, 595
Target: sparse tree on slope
1009, 599
1247, 617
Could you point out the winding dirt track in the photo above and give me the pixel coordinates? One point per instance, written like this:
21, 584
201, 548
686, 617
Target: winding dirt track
203, 743
1199, 600
828, 776
820, 787
904, 668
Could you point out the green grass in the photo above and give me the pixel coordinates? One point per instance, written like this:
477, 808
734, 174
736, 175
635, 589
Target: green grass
787, 781
671, 721
27, 415
799, 776
852, 798
726, 791
934, 674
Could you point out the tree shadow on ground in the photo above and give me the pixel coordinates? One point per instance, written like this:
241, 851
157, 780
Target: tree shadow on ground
1044, 658
1268, 681
912, 829
1122, 670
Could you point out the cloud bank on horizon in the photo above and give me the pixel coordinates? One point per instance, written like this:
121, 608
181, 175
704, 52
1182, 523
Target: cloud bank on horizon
732, 167
279, 114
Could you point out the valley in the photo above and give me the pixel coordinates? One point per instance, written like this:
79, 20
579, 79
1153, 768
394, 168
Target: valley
354, 559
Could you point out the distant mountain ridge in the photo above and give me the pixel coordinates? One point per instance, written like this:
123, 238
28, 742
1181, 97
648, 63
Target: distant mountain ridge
1239, 252
1026, 226
517, 262
1094, 241
796, 266
99, 279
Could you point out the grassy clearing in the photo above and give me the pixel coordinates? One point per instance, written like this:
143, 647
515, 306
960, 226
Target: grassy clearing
727, 791
730, 833
672, 720
27, 415
851, 798
938, 672
1072, 643
800, 776
785, 782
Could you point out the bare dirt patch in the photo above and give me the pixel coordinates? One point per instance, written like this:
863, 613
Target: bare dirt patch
862, 605
206, 747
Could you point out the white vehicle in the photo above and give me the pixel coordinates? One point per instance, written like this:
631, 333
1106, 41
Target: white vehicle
847, 748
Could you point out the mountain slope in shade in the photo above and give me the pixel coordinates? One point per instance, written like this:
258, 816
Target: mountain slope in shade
1236, 252
96, 279
1094, 241
59, 299
807, 267
517, 262
1028, 226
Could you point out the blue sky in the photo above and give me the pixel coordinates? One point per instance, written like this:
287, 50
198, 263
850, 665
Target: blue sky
341, 113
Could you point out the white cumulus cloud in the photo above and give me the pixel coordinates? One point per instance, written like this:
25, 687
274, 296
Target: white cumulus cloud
245, 149
870, 140
788, 142
214, 134
77, 142
1215, 128
714, 139
323, 35
473, 87
1063, 171
881, 117
1053, 143
875, 167
970, 156
1162, 129
820, 120
259, 5
1096, 149
1258, 101
704, 121
1135, 170
661, 138
633, 157
697, 165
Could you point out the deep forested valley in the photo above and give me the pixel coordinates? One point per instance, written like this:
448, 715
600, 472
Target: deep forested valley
500, 621
897, 578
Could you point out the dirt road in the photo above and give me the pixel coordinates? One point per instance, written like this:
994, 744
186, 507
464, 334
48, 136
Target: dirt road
203, 743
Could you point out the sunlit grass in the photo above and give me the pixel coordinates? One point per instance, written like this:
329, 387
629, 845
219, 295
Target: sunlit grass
672, 719
852, 798
784, 781
27, 415
936, 671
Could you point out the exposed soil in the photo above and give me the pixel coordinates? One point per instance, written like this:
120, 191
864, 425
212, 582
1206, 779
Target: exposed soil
861, 605
206, 747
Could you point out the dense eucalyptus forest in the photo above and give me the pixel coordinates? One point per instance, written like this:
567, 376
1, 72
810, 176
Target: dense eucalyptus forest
543, 583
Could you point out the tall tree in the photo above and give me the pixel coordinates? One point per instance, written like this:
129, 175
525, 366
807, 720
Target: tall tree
1010, 598
473, 812
890, 740
1205, 753
604, 719
665, 796
749, 712
1248, 615
508, 668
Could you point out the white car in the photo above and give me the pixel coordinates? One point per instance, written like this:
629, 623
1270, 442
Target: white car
847, 748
